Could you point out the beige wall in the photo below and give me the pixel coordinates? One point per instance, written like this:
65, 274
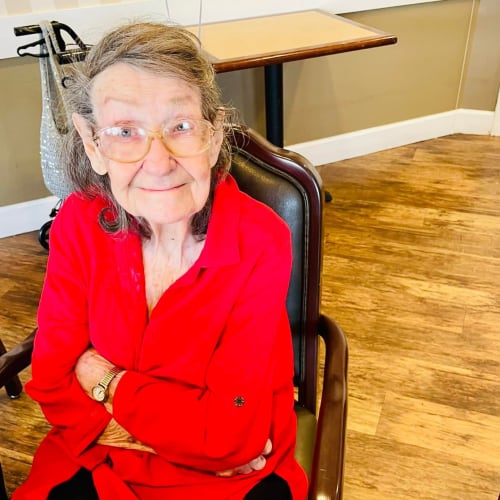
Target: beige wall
482, 76
20, 108
416, 77
421, 75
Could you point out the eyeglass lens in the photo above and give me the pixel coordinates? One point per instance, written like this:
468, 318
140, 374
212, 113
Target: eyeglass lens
183, 138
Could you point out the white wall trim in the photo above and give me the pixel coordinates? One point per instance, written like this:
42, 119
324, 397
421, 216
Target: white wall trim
30, 215
362, 142
347, 6
185, 12
26, 216
89, 22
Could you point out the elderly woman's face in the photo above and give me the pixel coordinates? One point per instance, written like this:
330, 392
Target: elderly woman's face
160, 187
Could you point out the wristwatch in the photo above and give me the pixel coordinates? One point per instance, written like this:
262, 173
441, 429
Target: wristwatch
100, 391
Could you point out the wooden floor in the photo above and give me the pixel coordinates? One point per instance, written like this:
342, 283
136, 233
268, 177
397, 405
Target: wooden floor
412, 274
22, 267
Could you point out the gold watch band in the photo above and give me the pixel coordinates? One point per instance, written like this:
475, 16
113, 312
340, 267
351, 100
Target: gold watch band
106, 380
100, 391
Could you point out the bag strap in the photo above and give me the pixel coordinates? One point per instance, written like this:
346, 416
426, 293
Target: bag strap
60, 112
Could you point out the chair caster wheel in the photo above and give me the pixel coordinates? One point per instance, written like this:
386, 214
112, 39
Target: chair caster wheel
43, 234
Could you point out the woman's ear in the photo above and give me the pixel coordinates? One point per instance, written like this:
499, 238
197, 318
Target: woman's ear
217, 138
83, 128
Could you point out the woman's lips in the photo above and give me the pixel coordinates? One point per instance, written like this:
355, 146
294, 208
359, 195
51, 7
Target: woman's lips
157, 189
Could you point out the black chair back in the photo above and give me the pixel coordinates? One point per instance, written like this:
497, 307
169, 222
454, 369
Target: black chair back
288, 183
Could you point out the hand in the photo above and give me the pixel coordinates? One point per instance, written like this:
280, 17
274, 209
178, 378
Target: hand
90, 369
257, 463
116, 435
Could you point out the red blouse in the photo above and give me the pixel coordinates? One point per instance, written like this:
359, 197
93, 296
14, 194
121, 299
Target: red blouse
209, 372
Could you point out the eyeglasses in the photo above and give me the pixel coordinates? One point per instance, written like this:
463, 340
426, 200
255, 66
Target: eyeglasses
127, 144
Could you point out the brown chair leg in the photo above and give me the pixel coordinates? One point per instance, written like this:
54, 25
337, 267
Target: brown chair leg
13, 387
3, 491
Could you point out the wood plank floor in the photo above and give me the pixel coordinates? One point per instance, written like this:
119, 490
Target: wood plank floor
22, 426
412, 274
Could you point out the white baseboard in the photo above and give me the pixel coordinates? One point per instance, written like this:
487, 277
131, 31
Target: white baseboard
393, 135
26, 216
30, 215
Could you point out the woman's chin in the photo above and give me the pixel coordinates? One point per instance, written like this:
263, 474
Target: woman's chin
166, 217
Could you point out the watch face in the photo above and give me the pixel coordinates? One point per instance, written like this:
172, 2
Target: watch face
99, 393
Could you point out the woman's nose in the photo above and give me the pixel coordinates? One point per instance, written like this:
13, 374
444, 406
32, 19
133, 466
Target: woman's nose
159, 160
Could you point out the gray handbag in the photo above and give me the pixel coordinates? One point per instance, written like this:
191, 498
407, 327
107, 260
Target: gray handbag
55, 120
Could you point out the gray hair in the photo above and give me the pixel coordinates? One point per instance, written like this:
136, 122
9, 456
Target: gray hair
160, 49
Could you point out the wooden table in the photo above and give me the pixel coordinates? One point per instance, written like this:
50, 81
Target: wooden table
273, 40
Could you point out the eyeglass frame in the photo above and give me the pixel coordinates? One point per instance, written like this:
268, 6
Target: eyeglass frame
151, 135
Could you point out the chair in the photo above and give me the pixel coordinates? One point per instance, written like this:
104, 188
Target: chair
3, 492
12, 362
288, 183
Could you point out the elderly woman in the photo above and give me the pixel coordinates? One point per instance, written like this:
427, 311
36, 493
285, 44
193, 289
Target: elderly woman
163, 358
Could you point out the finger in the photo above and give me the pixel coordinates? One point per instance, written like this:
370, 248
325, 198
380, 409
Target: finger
243, 469
226, 473
257, 463
268, 447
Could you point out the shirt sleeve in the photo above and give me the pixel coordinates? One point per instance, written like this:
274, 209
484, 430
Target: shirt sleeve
226, 423
62, 337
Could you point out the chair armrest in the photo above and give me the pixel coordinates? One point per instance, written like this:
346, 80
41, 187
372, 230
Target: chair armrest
17, 359
328, 460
